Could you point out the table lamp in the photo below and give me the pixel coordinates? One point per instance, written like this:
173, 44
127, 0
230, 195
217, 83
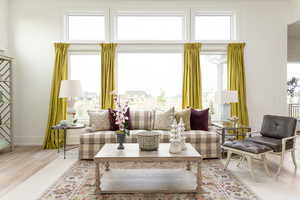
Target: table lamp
226, 98
70, 89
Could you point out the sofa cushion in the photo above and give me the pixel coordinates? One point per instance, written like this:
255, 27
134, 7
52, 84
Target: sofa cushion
99, 121
112, 119
247, 146
141, 119
275, 144
164, 120
199, 119
278, 126
185, 115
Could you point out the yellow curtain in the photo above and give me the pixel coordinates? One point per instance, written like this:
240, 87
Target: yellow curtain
191, 91
108, 75
58, 106
236, 80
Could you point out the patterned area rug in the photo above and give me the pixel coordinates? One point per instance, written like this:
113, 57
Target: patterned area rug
78, 184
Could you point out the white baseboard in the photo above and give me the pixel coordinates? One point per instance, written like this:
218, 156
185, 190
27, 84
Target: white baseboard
38, 140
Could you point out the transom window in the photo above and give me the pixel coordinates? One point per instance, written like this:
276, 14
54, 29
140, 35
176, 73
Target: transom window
86, 27
213, 27
150, 28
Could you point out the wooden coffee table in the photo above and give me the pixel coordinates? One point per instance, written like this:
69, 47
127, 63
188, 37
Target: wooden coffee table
147, 180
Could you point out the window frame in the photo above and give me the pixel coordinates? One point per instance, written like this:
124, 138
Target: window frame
184, 13
233, 29
104, 13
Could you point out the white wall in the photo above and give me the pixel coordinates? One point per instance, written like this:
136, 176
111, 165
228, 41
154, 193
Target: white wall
294, 11
35, 25
293, 50
3, 26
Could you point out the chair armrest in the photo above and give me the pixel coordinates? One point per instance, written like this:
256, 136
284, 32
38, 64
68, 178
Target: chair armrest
252, 133
284, 141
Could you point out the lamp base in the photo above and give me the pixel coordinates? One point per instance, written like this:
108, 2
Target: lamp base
225, 112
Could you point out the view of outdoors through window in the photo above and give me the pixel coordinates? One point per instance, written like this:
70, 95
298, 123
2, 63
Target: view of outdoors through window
150, 80
155, 84
86, 68
214, 78
293, 78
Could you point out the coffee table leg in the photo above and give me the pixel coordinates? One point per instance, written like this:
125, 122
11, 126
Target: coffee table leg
188, 166
106, 166
97, 184
199, 177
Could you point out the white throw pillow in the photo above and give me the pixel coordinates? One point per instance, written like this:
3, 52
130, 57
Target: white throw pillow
164, 120
99, 121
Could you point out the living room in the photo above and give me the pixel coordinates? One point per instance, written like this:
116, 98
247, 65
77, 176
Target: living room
168, 63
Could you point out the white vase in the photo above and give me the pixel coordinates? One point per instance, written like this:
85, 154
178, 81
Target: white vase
183, 146
175, 146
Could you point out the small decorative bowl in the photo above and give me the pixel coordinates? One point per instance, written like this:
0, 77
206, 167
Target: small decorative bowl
148, 140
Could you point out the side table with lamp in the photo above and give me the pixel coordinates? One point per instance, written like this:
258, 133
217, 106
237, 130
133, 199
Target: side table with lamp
227, 123
69, 89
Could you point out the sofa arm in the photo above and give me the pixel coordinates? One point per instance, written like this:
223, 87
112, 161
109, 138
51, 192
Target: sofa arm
213, 129
284, 142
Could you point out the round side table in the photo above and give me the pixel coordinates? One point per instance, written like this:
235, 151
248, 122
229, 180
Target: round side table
64, 129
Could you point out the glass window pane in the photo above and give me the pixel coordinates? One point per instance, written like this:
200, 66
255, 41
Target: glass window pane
86, 68
214, 78
150, 80
213, 27
293, 72
86, 27
150, 28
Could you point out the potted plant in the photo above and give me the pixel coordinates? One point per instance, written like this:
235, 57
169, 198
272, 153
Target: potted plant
121, 121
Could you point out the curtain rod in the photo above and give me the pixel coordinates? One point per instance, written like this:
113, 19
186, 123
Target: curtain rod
153, 43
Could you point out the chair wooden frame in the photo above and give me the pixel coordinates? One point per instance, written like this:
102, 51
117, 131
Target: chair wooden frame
249, 157
283, 151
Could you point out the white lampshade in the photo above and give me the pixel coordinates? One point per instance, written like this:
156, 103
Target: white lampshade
70, 89
226, 97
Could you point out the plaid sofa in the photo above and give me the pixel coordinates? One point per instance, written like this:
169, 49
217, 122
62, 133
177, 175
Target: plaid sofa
205, 142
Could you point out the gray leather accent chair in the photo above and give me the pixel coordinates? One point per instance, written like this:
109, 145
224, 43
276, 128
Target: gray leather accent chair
278, 133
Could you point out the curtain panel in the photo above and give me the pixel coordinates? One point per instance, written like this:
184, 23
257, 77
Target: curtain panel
58, 106
108, 75
192, 89
237, 80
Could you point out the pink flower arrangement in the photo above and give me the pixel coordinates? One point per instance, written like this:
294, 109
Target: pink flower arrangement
121, 118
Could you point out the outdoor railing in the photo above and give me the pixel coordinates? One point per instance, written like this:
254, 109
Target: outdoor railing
294, 110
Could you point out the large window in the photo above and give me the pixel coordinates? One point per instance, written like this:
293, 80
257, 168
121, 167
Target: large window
85, 27
86, 68
150, 80
214, 79
213, 27
149, 54
155, 27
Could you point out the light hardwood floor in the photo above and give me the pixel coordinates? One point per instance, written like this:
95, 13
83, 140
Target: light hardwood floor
27, 161
22, 163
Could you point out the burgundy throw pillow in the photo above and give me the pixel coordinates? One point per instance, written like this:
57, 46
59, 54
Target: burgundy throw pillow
112, 119
199, 119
